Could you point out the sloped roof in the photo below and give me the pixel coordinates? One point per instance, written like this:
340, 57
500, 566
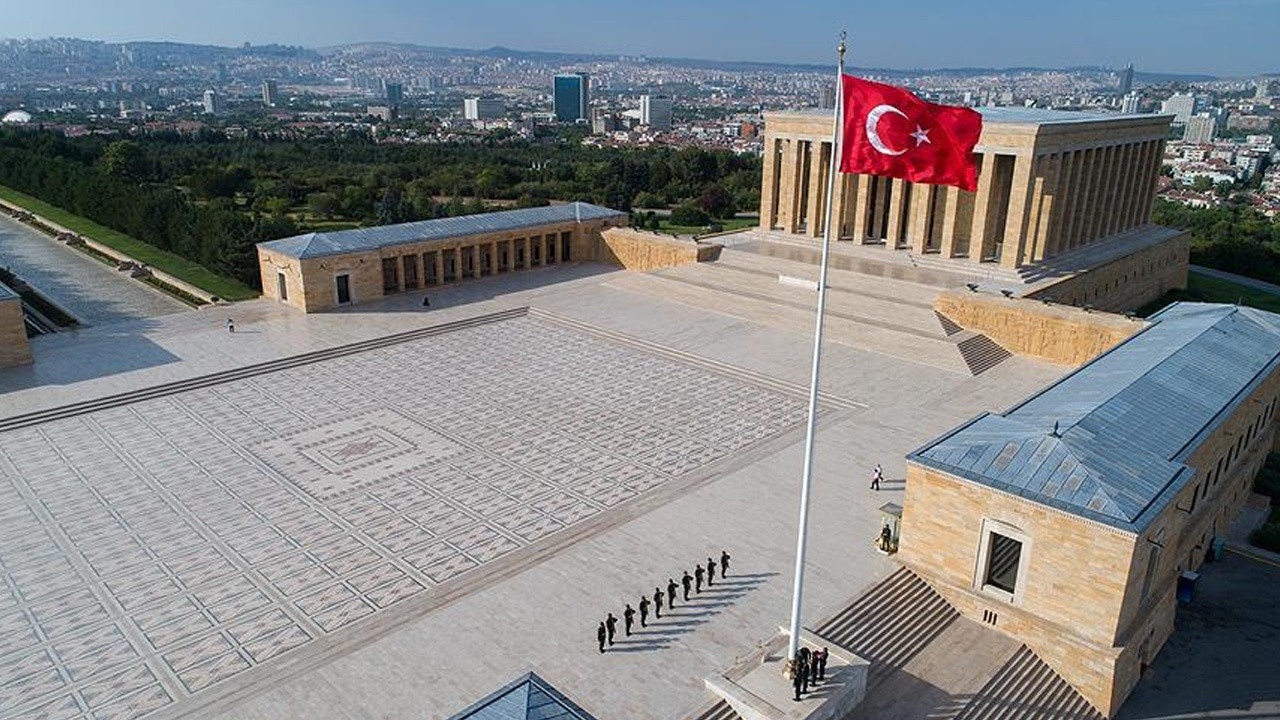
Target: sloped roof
7, 293
527, 698
363, 239
1126, 422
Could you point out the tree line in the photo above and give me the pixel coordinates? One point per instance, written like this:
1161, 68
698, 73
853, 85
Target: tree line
1233, 236
210, 199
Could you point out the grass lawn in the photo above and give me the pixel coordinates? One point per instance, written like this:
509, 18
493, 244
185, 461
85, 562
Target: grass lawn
179, 267
731, 224
1207, 289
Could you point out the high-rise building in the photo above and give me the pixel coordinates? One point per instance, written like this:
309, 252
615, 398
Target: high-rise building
270, 93
1129, 105
1126, 81
1200, 128
1181, 106
655, 111
571, 95
828, 99
213, 104
483, 108
1262, 90
393, 92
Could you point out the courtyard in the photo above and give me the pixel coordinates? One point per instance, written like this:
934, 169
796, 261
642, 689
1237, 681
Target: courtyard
399, 527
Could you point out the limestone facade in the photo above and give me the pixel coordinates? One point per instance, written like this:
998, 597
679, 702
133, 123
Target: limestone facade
1095, 601
321, 281
644, 251
1127, 283
1048, 183
14, 349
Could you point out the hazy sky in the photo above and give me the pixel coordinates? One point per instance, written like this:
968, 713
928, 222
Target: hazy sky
1223, 37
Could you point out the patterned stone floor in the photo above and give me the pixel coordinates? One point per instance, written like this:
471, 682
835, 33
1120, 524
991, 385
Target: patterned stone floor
151, 551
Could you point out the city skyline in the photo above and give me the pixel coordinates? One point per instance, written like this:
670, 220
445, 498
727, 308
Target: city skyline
1230, 36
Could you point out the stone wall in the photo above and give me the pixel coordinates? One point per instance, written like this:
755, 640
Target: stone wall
1129, 282
14, 349
644, 251
1057, 333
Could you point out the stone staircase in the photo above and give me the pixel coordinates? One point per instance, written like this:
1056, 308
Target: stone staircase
719, 710
1027, 689
981, 353
891, 623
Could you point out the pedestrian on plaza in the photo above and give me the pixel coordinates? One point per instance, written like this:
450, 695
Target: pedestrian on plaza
876, 476
657, 603
686, 581
823, 654
886, 537
805, 668
698, 574
724, 564
644, 611
611, 625
711, 571
426, 302
671, 592
231, 325
601, 634
796, 682
629, 618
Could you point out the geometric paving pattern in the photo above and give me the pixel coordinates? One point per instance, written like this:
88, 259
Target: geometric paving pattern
152, 550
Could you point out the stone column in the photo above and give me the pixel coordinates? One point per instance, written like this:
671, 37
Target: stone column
769, 183
819, 152
1097, 195
1015, 225
896, 201
950, 212
1149, 191
399, 266
880, 207
495, 262
421, 267
1126, 170
861, 201
980, 245
437, 261
840, 205
1080, 207
918, 222
1048, 192
789, 195
1110, 190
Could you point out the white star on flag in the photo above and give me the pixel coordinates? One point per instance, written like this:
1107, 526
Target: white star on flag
921, 135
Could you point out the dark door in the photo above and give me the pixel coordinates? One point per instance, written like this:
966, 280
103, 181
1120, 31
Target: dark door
283, 287
344, 289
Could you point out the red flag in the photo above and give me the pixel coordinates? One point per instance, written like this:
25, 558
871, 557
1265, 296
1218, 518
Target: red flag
888, 131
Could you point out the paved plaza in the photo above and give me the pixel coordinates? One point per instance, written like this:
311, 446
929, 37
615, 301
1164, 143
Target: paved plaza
396, 531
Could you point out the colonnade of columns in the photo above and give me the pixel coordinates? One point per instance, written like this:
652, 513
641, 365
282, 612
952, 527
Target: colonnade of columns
408, 271
1029, 206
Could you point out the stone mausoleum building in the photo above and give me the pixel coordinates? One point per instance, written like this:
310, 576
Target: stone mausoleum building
322, 271
1069, 521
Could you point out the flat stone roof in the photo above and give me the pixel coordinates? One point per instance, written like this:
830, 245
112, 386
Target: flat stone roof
1109, 442
364, 239
1014, 115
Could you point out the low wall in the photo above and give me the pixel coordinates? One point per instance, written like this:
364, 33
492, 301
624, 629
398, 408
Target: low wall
14, 349
1057, 333
643, 251
1129, 282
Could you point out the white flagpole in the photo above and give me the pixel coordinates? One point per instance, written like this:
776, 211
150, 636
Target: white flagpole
798, 590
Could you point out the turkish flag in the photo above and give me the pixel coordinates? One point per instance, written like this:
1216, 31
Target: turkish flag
888, 131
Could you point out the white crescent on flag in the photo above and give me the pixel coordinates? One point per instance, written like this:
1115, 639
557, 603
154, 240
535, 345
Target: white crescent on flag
873, 134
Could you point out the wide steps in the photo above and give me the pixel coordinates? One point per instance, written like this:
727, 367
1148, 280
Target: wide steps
719, 711
891, 624
981, 353
1026, 688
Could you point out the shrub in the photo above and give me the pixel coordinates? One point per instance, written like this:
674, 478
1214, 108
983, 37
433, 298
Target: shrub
688, 215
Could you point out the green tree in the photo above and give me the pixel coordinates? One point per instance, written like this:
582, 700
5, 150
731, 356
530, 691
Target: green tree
124, 160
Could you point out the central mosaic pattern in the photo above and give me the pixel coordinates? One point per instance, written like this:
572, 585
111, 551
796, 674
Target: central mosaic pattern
153, 550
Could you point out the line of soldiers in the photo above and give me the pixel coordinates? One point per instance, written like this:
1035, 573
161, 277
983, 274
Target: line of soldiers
810, 669
609, 626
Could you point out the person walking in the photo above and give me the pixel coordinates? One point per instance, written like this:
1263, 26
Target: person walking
629, 618
601, 634
671, 592
724, 564
796, 680
657, 603
823, 654
231, 325
876, 476
644, 611
698, 574
711, 571
686, 581
611, 626
426, 302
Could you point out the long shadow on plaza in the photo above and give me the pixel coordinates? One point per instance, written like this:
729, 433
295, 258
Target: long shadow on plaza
688, 615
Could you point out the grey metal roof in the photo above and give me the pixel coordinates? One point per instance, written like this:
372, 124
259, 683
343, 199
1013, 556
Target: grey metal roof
1126, 422
7, 293
365, 239
527, 698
